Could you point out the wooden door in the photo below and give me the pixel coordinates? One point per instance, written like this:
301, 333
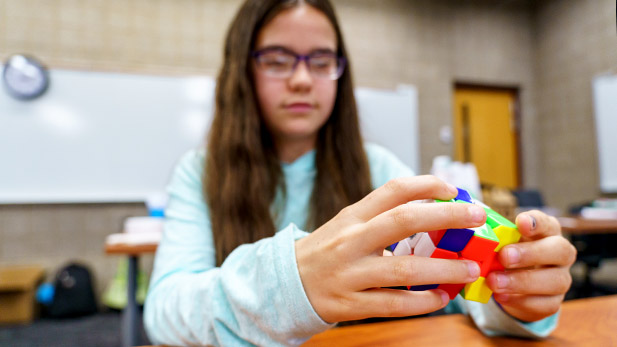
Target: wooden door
486, 134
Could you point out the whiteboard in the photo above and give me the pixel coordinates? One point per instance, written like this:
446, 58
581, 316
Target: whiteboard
605, 110
390, 118
107, 137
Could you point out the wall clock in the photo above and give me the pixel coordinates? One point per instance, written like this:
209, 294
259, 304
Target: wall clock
24, 77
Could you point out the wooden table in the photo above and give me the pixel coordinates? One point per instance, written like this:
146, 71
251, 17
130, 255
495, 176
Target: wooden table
130, 327
583, 322
135, 250
578, 226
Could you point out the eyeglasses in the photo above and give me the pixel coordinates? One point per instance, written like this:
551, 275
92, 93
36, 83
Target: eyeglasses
281, 63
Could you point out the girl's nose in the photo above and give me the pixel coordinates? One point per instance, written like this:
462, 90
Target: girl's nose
301, 77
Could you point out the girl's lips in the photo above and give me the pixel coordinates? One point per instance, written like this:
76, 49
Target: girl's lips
299, 107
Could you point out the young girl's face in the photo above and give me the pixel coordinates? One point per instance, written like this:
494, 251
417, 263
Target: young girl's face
296, 105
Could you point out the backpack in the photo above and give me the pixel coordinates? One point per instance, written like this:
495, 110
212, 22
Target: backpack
73, 293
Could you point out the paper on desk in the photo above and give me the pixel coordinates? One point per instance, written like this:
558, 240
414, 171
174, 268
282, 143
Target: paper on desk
599, 213
143, 225
139, 231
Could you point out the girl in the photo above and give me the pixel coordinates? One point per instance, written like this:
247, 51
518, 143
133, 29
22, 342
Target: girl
285, 155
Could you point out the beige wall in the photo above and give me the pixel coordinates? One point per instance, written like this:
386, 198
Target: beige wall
52, 235
147, 36
428, 43
576, 40
432, 44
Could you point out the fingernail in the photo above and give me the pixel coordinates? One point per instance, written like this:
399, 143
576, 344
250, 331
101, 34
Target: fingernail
452, 189
533, 222
502, 281
445, 298
514, 255
474, 269
502, 298
477, 213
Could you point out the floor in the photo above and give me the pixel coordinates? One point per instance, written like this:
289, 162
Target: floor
100, 330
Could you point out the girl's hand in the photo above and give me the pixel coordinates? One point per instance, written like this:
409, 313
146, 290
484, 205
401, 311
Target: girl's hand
342, 266
537, 274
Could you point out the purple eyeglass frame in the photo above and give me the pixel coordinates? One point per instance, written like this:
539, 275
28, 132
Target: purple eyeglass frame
342, 62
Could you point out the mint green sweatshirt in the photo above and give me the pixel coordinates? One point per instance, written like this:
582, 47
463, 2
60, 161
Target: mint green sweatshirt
256, 296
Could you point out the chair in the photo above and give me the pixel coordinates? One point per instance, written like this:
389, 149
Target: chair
529, 198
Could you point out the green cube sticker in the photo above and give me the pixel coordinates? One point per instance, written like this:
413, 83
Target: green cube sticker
494, 219
486, 232
451, 200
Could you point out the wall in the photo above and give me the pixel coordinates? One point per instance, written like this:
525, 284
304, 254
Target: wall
146, 36
576, 40
52, 235
153, 37
430, 44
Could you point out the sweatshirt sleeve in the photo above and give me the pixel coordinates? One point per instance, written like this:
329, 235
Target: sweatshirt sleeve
384, 165
489, 318
255, 298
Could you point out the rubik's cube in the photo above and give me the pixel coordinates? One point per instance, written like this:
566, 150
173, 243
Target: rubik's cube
478, 244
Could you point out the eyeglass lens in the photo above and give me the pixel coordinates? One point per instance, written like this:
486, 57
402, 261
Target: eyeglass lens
282, 64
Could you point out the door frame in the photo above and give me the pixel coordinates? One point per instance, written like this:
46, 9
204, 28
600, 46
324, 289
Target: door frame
515, 90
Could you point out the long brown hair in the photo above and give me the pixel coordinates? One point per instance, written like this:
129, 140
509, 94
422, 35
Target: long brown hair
242, 170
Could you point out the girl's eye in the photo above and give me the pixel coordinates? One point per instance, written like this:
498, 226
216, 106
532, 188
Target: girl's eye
326, 63
277, 61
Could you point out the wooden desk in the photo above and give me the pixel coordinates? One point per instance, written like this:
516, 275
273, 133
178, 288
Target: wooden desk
577, 226
583, 322
130, 322
130, 249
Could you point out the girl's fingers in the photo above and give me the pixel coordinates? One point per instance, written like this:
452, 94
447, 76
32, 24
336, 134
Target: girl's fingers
411, 271
529, 308
382, 302
400, 191
541, 281
536, 225
404, 220
552, 250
